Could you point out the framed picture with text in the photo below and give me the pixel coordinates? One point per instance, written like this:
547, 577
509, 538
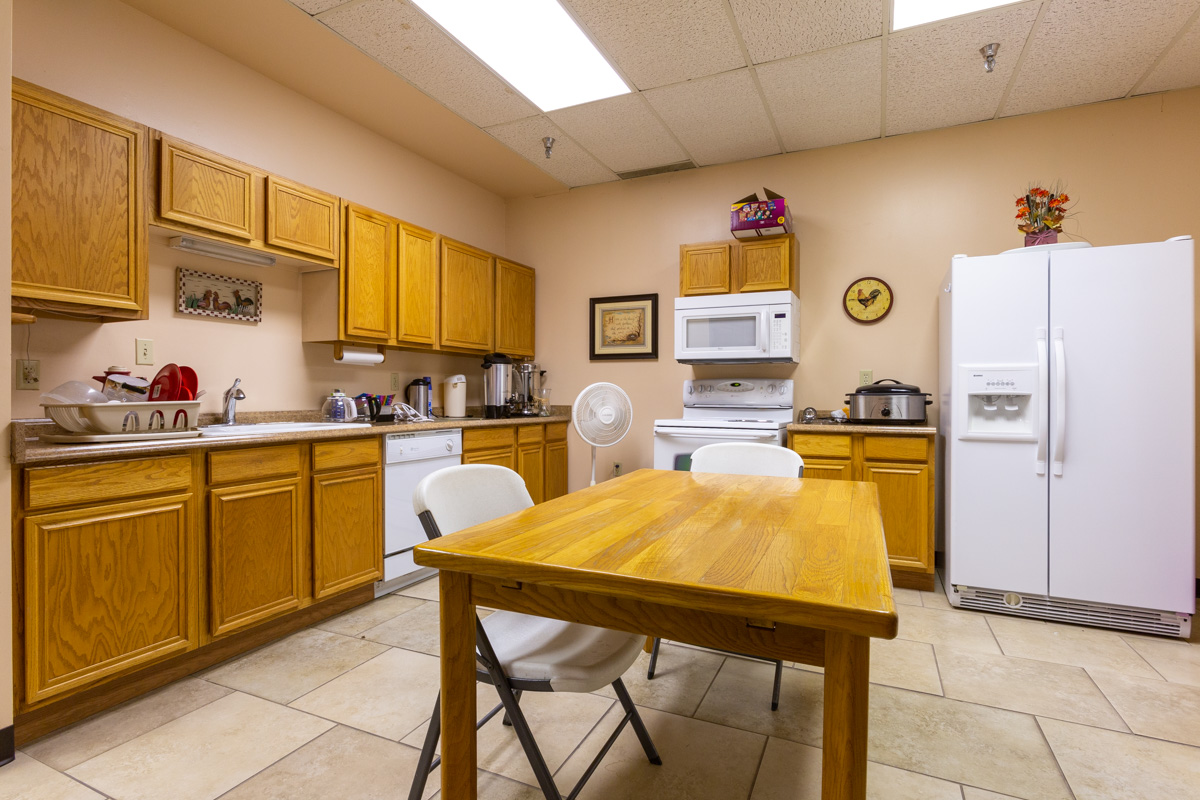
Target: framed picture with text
623, 327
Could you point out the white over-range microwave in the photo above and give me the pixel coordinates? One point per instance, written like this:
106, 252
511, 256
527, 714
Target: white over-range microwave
747, 328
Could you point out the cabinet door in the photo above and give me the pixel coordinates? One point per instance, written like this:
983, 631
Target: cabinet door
417, 287
514, 309
904, 492
367, 278
347, 530
255, 540
79, 232
531, 467
201, 188
765, 265
827, 469
301, 219
108, 589
705, 269
556, 469
501, 457
468, 297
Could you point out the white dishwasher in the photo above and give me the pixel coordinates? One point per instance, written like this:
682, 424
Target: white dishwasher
409, 458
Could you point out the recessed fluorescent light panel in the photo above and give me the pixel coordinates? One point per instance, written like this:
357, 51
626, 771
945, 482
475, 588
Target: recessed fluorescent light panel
907, 13
532, 44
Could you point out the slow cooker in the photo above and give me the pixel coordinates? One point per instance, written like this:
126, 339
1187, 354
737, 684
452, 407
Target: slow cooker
888, 400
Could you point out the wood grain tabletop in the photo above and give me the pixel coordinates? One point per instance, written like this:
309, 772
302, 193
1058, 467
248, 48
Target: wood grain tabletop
799, 551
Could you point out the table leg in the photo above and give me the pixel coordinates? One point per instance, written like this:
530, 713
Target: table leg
844, 758
458, 686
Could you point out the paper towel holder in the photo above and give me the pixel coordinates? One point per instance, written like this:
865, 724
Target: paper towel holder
341, 351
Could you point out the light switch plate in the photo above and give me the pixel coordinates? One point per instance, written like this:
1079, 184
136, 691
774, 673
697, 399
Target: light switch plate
866, 377
145, 351
29, 375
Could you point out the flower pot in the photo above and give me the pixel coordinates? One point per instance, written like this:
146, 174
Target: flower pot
1041, 237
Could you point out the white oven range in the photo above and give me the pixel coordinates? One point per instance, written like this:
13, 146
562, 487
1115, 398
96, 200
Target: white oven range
724, 410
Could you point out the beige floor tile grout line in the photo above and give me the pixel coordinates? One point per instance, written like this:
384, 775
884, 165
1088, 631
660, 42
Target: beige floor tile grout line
1183, 31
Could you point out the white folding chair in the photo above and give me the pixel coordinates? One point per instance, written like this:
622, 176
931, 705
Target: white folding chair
516, 652
745, 458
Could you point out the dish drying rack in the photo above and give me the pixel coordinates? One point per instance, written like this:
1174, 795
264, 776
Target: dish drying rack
117, 421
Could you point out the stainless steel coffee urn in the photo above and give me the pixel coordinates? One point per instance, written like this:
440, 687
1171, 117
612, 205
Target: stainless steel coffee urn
497, 385
419, 396
527, 383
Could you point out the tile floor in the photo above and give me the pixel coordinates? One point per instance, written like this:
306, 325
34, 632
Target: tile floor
964, 706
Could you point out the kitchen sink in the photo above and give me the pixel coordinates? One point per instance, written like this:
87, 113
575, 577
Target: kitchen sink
268, 428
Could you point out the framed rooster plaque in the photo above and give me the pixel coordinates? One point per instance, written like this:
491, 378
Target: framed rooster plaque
868, 300
209, 295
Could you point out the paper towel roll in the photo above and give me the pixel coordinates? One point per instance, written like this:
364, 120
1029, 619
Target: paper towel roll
357, 356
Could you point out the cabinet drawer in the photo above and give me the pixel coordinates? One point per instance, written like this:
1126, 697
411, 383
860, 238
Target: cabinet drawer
107, 480
258, 463
346, 453
904, 448
820, 445
556, 432
529, 434
487, 438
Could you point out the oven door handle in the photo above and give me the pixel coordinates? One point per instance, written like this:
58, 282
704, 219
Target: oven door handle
691, 434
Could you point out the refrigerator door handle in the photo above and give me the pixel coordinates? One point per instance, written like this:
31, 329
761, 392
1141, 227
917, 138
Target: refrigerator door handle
1060, 400
1043, 401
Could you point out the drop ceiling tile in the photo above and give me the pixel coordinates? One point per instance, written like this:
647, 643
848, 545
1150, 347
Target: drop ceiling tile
622, 132
663, 42
718, 119
569, 162
935, 75
403, 39
826, 98
1180, 67
316, 6
1084, 51
778, 30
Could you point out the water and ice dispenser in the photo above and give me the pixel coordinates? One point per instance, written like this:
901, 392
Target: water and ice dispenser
1001, 402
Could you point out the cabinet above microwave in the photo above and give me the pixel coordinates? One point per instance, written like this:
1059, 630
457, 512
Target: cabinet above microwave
754, 328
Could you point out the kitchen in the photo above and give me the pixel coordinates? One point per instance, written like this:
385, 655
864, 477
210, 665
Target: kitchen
864, 209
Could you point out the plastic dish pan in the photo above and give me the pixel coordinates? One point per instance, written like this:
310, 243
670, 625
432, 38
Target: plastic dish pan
118, 417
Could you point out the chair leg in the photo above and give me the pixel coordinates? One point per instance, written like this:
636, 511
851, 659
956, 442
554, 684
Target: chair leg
778, 681
425, 762
520, 725
653, 659
635, 719
516, 696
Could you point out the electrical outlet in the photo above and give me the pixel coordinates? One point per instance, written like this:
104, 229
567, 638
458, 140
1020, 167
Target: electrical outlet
395, 384
29, 374
616, 469
865, 377
145, 351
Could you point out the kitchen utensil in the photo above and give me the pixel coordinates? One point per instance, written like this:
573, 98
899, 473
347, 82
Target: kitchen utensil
367, 406
166, 384
497, 385
73, 392
112, 371
191, 383
454, 396
888, 400
339, 408
418, 395
809, 414
526, 382
543, 401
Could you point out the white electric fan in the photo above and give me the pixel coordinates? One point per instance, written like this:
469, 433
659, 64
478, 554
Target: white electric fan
602, 415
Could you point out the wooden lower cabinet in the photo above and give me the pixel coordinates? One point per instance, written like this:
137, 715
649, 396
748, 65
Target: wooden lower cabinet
556, 460
901, 465
347, 530
255, 553
107, 589
538, 453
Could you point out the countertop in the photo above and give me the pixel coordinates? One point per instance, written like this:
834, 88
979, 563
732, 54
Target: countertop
826, 425
28, 450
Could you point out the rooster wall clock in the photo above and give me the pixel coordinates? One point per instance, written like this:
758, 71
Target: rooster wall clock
868, 300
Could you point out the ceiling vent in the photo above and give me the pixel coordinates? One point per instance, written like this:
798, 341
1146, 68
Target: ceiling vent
641, 173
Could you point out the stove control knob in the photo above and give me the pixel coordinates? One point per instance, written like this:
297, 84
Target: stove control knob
690, 390
770, 388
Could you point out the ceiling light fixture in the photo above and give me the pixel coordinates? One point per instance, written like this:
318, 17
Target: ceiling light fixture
548, 143
907, 13
534, 45
988, 51
226, 252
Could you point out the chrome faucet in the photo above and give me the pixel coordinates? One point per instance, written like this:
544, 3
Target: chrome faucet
232, 395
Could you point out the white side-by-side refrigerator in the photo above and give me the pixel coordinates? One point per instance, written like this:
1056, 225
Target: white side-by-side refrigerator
1068, 413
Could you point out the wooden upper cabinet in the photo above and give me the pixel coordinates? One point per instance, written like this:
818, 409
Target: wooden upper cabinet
367, 293
766, 265
301, 219
417, 286
79, 235
514, 309
705, 269
468, 297
205, 190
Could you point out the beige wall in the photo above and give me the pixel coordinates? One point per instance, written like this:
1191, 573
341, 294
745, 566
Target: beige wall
107, 54
897, 209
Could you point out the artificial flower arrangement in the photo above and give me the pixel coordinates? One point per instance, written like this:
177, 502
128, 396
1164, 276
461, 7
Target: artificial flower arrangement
1040, 214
